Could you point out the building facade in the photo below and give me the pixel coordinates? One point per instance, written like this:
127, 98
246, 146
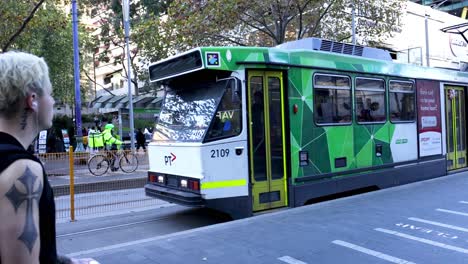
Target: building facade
421, 39
454, 7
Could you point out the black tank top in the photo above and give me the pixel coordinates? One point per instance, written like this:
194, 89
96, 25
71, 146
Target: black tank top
10, 151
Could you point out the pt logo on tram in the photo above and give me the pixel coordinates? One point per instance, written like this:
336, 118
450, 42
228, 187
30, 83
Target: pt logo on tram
168, 160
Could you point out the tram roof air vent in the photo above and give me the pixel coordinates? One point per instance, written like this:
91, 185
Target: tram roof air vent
337, 47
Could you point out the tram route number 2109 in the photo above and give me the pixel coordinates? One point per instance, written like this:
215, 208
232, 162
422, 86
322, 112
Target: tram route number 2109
219, 153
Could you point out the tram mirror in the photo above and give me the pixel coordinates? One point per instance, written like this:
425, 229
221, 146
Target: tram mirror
235, 90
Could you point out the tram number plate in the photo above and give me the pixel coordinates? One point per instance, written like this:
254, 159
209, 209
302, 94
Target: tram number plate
219, 153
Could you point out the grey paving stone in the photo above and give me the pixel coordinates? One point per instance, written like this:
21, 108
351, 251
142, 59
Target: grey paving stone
307, 233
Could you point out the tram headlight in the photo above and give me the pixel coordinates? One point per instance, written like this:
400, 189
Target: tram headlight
183, 183
160, 179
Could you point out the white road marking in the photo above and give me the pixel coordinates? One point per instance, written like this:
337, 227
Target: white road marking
463, 202
116, 246
439, 224
452, 212
291, 260
371, 252
111, 227
423, 240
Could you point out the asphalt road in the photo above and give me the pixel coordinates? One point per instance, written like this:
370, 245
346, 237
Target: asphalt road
424, 222
129, 225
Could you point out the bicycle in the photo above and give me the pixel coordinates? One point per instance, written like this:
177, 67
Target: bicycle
101, 162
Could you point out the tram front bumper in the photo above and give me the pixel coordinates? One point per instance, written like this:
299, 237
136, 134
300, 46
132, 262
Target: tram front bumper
174, 196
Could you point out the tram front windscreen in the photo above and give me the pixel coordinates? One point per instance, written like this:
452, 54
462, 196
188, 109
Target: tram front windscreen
187, 111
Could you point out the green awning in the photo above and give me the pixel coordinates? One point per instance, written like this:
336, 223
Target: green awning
101, 100
121, 101
114, 101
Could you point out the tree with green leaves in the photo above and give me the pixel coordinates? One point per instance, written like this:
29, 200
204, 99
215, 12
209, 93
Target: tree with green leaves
44, 29
18, 14
272, 22
144, 21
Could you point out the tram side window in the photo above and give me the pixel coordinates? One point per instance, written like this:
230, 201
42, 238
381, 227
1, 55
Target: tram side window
332, 99
370, 100
228, 119
402, 101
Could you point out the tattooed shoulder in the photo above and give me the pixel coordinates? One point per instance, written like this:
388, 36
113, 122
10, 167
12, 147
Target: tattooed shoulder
27, 190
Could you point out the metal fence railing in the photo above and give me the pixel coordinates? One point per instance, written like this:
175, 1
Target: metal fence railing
80, 194
57, 164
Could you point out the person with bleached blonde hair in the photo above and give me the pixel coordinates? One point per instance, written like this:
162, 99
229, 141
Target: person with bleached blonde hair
27, 208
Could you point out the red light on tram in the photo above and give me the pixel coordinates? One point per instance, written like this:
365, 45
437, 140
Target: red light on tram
152, 178
295, 108
194, 185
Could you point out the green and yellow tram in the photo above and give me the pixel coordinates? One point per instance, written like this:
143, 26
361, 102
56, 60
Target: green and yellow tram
248, 129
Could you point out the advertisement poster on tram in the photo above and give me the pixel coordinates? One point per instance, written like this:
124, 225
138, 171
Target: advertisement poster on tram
429, 119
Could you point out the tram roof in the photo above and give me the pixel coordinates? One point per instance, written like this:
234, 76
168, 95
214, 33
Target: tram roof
234, 58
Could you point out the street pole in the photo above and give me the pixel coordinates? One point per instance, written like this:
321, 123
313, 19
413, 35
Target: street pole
126, 11
76, 63
426, 16
353, 24
94, 69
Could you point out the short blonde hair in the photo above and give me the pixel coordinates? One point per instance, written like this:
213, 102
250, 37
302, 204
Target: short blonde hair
20, 73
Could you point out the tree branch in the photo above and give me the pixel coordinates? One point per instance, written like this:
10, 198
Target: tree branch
299, 33
94, 81
266, 29
23, 26
132, 66
343, 38
321, 17
227, 39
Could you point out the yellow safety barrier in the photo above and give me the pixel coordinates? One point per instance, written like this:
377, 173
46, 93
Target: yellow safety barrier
72, 185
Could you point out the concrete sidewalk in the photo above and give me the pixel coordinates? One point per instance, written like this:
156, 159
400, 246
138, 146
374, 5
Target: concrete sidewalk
424, 222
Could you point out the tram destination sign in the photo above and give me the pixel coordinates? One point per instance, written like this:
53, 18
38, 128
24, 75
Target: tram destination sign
174, 66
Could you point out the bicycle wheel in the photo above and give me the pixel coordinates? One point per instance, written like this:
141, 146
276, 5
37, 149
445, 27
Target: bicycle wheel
128, 162
98, 165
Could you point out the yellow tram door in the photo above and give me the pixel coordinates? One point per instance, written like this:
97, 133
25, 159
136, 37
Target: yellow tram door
267, 140
455, 127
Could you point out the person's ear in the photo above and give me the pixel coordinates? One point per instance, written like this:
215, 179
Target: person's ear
31, 102
34, 106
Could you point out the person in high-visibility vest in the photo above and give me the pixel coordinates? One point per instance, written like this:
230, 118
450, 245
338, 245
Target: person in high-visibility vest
111, 143
109, 140
95, 139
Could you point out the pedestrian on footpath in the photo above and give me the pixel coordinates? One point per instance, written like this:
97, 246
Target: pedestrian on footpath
141, 140
27, 208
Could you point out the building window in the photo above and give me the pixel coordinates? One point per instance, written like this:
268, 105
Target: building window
370, 100
107, 79
332, 99
402, 101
